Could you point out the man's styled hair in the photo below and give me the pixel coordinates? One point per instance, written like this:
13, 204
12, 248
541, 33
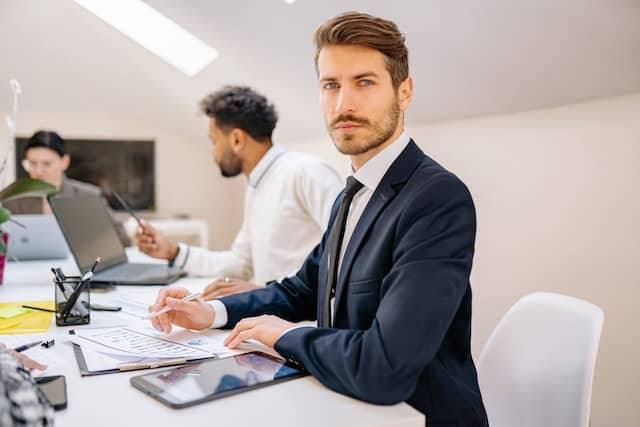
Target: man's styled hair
241, 107
361, 29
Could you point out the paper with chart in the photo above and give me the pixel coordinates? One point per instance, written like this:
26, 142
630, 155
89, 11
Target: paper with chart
142, 343
99, 357
109, 348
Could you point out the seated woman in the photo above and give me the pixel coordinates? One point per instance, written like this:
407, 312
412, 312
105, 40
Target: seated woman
46, 158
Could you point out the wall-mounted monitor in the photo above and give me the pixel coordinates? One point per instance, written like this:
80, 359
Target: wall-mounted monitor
126, 166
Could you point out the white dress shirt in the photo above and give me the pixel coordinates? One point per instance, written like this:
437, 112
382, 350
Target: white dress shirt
286, 209
370, 174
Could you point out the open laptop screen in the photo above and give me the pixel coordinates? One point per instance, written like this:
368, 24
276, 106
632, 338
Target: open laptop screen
89, 230
37, 237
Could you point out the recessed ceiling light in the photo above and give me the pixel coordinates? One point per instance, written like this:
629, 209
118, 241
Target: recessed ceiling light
289, 1
154, 31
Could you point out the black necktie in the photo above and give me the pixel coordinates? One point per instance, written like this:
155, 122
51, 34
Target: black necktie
335, 244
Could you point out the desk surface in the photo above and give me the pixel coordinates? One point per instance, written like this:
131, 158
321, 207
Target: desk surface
109, 400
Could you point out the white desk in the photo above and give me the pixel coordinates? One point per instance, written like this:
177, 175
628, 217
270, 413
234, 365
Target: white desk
109, 400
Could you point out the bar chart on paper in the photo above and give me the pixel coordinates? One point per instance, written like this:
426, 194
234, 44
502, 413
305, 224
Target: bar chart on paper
138, 343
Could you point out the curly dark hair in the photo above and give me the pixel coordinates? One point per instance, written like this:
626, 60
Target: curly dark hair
241, 107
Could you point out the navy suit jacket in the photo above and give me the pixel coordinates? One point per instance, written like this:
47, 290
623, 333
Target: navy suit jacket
402, 326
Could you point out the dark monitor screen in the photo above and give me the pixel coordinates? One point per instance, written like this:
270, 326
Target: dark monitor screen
89, 230
126, 166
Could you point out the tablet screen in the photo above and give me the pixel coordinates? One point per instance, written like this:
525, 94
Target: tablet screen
200, 382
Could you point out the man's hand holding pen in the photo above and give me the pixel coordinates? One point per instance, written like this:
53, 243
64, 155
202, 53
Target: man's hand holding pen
150, 240
194, 314
197, 314
154, 243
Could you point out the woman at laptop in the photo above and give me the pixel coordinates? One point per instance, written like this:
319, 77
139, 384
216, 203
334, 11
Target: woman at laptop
46, 158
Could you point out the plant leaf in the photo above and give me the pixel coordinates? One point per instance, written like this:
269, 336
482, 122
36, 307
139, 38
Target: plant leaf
27, 187
4, 215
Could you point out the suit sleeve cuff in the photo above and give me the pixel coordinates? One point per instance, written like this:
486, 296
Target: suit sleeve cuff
291, 329
183, 254
220, 316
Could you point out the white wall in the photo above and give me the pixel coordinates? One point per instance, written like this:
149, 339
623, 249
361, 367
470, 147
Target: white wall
558, 202
187, 180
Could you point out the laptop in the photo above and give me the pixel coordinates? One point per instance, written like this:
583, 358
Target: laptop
39, 239
88, 228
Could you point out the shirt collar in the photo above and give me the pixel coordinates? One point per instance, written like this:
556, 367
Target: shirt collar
370, 174
264, 164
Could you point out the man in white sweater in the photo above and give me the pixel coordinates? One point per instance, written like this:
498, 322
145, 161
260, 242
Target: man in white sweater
287, 203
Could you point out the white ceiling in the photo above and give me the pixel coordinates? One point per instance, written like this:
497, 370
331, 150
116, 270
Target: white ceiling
468, 57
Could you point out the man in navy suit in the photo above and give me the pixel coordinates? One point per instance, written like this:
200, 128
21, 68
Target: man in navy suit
389, 282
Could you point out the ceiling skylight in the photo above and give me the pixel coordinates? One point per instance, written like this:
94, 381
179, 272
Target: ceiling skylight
154, 31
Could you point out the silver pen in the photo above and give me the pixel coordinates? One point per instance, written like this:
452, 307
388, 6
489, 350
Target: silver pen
168, 308
150, 365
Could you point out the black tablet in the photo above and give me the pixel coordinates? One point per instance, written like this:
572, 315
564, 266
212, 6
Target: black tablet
200, 382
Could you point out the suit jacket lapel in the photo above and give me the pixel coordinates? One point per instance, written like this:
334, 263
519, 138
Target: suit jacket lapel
399, 172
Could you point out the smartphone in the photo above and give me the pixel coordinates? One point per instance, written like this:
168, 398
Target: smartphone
55, 389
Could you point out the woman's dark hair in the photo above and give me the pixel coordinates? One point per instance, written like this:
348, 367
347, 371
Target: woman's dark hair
47, 139
241, 107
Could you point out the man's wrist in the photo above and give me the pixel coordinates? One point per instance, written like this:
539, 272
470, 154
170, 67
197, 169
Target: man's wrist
220, 315
182, 256
213, 317
175, 250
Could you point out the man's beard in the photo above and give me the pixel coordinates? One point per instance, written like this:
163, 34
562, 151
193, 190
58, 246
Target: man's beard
230, 165
380, 132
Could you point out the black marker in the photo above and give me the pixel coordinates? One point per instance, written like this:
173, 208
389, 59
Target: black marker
59, 278
127, 207
30, 307
27, 346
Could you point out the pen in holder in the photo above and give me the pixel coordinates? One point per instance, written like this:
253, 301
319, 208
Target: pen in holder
72, 299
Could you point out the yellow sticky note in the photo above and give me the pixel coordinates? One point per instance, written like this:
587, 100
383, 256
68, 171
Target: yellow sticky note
9, 312
31, 321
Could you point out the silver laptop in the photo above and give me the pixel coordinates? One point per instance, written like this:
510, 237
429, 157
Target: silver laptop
39, 239
89, 230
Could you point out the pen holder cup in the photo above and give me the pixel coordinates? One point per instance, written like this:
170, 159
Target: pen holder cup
72, 301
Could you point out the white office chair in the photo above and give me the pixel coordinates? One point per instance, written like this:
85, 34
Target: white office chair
536, 369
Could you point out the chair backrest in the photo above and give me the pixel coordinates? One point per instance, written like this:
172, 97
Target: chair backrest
536, 368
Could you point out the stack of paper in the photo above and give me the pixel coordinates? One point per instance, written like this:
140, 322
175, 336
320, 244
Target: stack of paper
106, 350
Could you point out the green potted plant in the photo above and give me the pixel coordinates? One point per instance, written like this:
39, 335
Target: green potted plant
24, 187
